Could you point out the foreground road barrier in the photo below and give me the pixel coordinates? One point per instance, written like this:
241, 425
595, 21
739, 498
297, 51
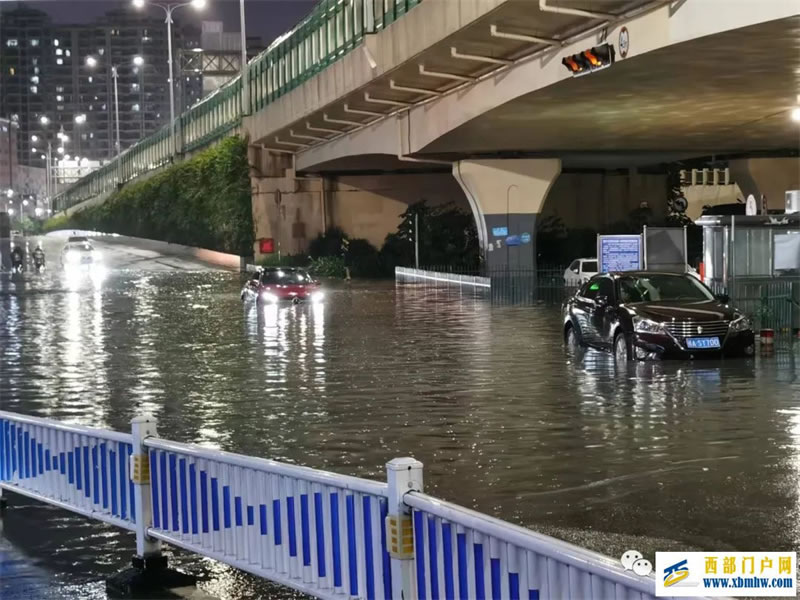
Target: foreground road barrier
326, 534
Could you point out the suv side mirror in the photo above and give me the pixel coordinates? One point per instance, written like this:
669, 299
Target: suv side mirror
724, 298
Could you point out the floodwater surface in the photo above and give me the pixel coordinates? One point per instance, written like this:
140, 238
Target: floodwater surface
655, 456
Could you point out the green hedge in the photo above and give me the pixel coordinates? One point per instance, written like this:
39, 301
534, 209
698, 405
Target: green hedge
204, 202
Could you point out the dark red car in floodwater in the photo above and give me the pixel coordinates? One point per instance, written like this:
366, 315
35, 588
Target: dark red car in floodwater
271, 285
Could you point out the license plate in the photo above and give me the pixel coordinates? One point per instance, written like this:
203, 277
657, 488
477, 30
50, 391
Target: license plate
702, 343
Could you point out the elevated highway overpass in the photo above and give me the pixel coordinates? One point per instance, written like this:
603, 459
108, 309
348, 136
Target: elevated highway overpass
476, 88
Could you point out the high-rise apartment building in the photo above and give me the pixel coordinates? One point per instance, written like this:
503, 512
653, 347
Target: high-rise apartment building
65, 74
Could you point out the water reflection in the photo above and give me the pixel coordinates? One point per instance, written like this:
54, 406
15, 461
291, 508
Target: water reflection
652, 455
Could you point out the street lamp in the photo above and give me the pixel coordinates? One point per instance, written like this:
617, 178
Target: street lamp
796, 115
91, 62
44, 120
79, 119
168, 8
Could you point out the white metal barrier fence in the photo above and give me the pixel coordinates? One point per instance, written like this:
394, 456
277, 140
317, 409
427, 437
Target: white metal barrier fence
329, 535
460, 553
315, 531
77, 468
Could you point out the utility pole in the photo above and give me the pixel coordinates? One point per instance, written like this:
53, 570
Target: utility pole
416, 240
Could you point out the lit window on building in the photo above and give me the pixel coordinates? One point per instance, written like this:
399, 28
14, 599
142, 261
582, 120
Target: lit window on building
91, 136
35, 61
34, 43
135, 108
55, 42
34, 89
59, 61
59, 52
12, 71
12, 43
101, 51
59, 107
90, 78
59, 98
59, 88
134, 86
83, 136
91, 107
36, 70
103, 107
68, 53
35, 79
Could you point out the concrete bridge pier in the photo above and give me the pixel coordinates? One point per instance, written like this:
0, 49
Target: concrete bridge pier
289, 210
506, 197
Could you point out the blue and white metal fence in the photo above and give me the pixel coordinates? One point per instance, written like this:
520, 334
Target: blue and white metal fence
77, 468
329, 535
460, 553
315, 531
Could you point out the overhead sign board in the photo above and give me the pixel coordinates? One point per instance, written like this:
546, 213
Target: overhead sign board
619, 252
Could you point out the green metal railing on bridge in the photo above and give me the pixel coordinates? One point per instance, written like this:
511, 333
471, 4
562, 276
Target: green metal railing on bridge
333, 29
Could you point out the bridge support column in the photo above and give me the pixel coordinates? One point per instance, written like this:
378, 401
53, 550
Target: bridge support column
289, 210
506, 197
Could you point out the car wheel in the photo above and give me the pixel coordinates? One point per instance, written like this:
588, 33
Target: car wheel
622, 351
572, 342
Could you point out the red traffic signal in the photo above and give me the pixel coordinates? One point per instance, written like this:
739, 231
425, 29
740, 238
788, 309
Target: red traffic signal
591, 60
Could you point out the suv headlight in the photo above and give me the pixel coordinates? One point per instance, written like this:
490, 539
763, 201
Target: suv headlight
642, 325
741, 323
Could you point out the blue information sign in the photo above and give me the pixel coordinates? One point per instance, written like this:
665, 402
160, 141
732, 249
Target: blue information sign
513, 240
619, 252
525, 238
499, 231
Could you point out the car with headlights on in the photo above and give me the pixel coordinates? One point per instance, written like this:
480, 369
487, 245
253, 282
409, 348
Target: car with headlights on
77, 252
271, 285
646, 315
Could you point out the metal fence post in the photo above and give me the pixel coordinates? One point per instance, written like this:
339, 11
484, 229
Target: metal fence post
142, 427
403, 475
148, 574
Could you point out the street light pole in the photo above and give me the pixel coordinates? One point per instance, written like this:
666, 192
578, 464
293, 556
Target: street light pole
171, 81
245, 66
168, 9
116, 106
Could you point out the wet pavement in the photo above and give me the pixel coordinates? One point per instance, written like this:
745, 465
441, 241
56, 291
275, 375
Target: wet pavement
654, 456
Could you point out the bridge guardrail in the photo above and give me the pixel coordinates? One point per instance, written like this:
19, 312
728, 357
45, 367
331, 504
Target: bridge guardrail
322, 533
331, 30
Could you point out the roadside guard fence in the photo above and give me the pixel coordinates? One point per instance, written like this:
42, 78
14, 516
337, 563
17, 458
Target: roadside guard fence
331, 30
770, 303
504, 286
329, 535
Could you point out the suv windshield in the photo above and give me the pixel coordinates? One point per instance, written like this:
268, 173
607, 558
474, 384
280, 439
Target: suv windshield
76, 239
662, 288
285, 277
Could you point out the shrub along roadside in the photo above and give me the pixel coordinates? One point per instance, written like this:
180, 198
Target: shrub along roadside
204, 201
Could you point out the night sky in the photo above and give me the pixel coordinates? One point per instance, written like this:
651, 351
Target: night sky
265, 18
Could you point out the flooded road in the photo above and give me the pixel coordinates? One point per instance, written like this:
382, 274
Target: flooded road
702, 455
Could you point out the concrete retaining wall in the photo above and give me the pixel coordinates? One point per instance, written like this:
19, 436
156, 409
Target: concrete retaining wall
408, 275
